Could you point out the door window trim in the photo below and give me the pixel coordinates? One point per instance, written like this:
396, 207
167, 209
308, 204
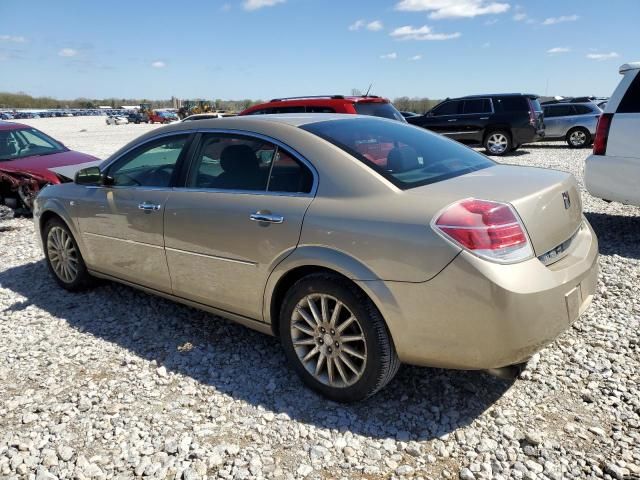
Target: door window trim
253, 135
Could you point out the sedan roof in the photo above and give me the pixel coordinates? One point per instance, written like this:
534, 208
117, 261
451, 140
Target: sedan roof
12, 125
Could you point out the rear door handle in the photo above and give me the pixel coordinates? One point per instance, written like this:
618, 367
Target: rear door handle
266, 217
452, 120
149, 207
484, 118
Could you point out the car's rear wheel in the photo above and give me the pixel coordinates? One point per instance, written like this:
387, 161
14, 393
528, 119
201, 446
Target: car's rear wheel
63, 257
336, 339
578, 137
497, 142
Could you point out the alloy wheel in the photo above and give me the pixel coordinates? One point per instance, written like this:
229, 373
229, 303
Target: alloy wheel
578, 138
62, 254
328, 340
497, 143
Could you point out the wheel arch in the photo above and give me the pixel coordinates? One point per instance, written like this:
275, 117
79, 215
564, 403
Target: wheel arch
52, 208
494, 127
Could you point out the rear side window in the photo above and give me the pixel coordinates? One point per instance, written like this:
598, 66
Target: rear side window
513, 104
407, 156
477, 105
562, 111
289, 175
319, 109
630, 103
378, 109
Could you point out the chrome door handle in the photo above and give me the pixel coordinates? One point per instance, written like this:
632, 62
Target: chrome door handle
149, 207
266, 217
484, 118
452, 120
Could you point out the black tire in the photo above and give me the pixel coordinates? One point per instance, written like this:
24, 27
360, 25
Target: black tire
578, 137
82, 279
381, 362
505, 147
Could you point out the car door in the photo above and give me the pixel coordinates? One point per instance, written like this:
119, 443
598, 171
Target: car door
122, 221
239, 214
474, 118
557, 119
443, 118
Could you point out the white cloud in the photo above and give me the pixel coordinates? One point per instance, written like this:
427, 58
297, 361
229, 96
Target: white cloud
518, 17
415, 58
251, 5
409, 32
357, 25
158, 64
12, 38
556, 50
602, 56
561, 19
68, 52
389, 56
453, 8
375, 26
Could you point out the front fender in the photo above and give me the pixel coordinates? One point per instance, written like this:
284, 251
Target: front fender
64, 210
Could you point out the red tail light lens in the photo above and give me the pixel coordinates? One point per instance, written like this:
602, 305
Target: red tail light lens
488, 229
602, 134
532, 114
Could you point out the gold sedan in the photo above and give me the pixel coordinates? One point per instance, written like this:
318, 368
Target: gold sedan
361, 242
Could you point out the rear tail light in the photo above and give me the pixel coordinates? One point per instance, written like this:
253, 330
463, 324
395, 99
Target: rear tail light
532, 114
602, 134
491, 230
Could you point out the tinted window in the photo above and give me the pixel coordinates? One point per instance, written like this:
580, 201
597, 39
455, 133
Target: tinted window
378, 109
300, 109
583, 109
630, 103
319, 109
150, 165
231, 162
477, 105
263, 111
447, 108
289, 175
405, 155
512, 103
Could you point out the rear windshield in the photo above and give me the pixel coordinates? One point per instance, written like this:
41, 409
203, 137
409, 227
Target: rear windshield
407, 156
378, 109
536, 104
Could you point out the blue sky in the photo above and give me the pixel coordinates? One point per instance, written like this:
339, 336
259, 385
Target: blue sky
268, 48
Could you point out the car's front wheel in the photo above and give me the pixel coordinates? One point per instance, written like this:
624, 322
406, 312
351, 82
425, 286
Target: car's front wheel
336, 339
497, 142
63, 257
578, 138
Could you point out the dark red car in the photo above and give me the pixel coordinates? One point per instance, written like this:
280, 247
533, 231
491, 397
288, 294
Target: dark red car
30, 160
360, 105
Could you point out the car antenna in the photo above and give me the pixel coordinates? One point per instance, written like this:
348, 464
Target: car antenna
368, 90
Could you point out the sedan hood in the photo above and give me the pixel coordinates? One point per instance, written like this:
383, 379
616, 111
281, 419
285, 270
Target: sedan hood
48, 166
548, 201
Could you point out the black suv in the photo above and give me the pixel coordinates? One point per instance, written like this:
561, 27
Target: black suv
137, 117
501, 123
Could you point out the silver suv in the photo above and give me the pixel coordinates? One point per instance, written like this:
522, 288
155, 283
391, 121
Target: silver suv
573, 122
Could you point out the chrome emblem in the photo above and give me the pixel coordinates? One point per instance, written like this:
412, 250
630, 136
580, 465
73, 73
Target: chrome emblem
567, 200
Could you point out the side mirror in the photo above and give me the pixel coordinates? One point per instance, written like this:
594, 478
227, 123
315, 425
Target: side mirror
89, 176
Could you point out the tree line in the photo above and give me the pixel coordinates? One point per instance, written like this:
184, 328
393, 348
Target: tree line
23, 100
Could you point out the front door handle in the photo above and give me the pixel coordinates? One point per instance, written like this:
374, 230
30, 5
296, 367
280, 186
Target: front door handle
484, 118
149, 207
266, 217
452, 120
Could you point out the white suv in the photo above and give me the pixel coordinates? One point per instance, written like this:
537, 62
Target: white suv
612, 172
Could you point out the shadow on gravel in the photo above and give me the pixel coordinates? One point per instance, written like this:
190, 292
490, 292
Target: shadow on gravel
419, 404
617, 234
544, 146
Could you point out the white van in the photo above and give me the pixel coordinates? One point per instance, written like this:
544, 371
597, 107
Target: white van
612, 172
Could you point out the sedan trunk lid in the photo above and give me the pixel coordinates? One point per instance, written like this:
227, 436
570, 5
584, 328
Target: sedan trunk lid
547, 201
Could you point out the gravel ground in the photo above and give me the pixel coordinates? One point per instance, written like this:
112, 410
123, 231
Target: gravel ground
117, 383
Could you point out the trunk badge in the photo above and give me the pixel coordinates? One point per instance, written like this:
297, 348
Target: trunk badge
567, 200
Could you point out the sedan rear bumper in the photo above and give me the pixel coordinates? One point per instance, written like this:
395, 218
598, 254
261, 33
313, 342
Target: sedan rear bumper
480, 315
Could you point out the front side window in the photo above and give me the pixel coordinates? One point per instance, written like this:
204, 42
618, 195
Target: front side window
150, 165
26, 142
407, 156
447, 108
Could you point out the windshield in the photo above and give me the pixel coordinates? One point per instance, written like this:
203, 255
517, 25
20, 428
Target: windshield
378, 109
407, 156
26, 142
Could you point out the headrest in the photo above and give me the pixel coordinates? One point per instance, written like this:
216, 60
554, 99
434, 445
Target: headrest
238, 158
402, 159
